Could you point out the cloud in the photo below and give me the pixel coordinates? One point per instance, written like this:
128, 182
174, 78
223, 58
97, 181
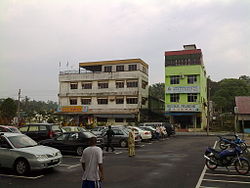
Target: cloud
36, 35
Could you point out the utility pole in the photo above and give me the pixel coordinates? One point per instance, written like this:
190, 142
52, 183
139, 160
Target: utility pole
208, 106
18, 106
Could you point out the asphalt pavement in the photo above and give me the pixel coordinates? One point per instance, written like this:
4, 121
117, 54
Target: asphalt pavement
176, 162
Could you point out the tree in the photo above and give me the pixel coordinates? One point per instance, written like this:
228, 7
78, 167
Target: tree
157, 90
8, 109
226, 91
246, 79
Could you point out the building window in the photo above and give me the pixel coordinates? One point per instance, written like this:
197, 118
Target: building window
174, 79
130, 120
132, 83
192, 79
73, 85
144, 84
132, 100
192, 97
87, 85
108, 69
118, 119
86, 101
99, 119
174, 97
132, 67
119, 100
119, 68
119, 84
102, 101
143, 100
102, 85
73, 101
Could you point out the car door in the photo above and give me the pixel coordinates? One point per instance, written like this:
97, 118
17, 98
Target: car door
117, 137
33, 132
6, 159
72, 142
60, 142
43, 132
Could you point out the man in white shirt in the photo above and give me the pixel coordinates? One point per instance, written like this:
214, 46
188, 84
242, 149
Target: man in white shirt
92, 165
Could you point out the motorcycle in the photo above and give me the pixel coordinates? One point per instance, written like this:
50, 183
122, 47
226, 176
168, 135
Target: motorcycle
225, 143
226, 158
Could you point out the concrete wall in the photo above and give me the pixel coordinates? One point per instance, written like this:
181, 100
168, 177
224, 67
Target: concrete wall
65, 92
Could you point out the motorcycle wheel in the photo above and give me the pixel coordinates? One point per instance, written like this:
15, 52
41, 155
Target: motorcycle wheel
242, 166
222, 145
211, 165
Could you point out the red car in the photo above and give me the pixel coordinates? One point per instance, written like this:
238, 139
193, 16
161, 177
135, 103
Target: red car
7, 128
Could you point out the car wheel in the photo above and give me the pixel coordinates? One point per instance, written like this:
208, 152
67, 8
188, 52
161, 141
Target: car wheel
123, 143
21, 167
79, 150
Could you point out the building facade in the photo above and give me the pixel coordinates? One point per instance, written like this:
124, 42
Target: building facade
107, 92
186, 88
242, 114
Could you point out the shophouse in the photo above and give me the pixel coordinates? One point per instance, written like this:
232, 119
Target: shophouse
106, 92
185, 85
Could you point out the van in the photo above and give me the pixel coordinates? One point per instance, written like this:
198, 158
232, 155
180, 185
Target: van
41, 131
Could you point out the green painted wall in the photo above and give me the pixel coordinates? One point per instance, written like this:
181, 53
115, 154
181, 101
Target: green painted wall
201, 82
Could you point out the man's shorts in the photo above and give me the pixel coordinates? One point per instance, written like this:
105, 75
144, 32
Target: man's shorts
91, 184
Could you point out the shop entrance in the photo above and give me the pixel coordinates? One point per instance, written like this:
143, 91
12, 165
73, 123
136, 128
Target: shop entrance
184, 122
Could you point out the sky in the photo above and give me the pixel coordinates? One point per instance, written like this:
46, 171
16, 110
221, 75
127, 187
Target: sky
35, 35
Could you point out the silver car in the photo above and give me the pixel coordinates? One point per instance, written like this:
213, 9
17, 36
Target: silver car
23, 154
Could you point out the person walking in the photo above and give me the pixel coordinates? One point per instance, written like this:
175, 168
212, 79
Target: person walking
131, 144
92, 165
110, 134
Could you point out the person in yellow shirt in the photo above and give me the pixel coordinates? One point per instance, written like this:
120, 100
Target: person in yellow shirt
131, 144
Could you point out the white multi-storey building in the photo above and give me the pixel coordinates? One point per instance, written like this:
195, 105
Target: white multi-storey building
113, 92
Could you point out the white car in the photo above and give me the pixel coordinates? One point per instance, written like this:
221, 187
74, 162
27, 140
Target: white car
21, 153
145, 135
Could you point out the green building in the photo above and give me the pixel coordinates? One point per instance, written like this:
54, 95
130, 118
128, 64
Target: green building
186, 88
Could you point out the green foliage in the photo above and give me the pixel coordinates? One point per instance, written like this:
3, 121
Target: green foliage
157, 90
224, 92
246, 79
8, 109
31, 107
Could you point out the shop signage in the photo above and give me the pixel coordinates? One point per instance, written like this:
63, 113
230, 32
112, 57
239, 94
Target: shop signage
183, 107
183, 89
73, 109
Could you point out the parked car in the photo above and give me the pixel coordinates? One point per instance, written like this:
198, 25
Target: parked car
98, 130
41, 131
121, 136
144, 134
23, 154
151, 129
73, 142
7, 128
168, 126
72, 129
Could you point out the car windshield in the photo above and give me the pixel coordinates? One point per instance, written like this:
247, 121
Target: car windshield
14, 130
22, 141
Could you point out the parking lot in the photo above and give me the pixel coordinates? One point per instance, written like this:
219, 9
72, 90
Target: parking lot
172, 162
223, 177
